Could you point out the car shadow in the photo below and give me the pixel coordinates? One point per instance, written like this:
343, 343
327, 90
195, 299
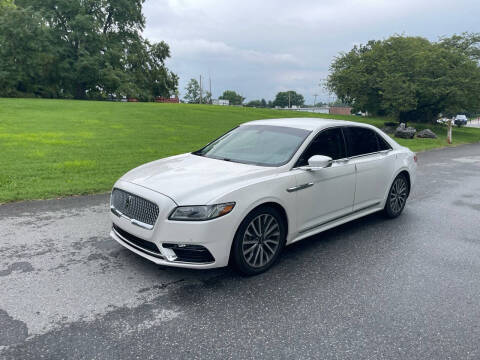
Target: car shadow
294, 259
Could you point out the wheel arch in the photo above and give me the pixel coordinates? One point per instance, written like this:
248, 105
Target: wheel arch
407, 176
402, 170
266, 203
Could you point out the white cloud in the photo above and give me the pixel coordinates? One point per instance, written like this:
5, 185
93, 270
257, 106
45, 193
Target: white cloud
258, 47
202, 47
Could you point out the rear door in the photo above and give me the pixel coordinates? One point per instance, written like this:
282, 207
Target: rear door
326, 194
374, 165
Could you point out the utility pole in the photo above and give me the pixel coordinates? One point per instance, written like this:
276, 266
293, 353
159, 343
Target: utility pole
200, 89
315, 100
210, 87
289, 100
450, 124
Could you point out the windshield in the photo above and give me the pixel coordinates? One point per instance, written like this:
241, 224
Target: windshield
263, 145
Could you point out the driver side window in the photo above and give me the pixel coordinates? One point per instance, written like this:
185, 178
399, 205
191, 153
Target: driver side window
328, 143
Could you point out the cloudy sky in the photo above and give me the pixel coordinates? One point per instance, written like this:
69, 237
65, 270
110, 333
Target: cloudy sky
260, 47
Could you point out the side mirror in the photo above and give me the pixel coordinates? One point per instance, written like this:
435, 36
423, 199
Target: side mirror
318, 162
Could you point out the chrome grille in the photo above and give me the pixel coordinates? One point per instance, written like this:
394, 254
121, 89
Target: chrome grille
134, 207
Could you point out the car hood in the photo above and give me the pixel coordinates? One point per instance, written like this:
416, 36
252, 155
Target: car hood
194, 180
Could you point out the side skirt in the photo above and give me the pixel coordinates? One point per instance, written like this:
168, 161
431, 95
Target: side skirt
336, 222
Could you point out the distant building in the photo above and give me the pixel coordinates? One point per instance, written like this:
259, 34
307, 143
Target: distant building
220, 102
161, 99
318, 110
340, 110
321, 110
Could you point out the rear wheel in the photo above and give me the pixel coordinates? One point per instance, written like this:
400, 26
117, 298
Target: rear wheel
259, 241
397, 197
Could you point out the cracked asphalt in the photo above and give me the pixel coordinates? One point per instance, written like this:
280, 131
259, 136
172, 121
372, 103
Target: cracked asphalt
370, 289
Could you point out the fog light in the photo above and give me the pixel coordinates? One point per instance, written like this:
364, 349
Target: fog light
169, 254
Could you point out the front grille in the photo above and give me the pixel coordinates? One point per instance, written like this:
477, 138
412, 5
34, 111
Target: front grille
135, 207
136, 242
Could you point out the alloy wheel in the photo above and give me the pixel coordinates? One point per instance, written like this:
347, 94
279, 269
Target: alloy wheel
398, 195
261, 240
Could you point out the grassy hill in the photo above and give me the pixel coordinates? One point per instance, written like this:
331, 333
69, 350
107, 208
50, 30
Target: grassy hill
57, 147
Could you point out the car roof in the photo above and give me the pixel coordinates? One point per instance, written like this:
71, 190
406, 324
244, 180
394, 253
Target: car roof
310, 124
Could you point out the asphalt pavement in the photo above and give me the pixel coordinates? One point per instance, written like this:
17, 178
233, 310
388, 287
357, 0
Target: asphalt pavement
407, 288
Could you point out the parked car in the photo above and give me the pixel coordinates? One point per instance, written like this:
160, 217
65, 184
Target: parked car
461, 120
259, 187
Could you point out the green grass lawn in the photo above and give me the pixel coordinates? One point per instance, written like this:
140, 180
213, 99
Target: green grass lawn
55, 148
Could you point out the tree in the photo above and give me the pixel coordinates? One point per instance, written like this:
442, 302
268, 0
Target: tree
467, 43
81, 49
409, 78
207, 98
27, 58
7, 4
288, 98
192, 92
257, 103
254, 103
232, 97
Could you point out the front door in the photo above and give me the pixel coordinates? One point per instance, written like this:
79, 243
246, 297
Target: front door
326, 194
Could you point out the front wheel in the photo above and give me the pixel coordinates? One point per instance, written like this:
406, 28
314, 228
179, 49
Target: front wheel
259, 241
397, 197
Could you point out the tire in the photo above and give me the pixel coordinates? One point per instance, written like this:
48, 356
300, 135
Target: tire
259, 240
397, 197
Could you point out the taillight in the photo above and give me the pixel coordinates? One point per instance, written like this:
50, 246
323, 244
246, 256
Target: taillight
415, 158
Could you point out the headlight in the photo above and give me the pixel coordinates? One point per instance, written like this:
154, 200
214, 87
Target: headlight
201, 212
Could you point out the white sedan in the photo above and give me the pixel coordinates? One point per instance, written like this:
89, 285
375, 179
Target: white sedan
261, 186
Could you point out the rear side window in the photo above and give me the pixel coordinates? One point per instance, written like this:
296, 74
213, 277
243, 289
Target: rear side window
360, 141
328, 143
382, 143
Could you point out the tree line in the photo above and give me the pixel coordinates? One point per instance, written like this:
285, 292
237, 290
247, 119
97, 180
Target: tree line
410, 78
195, 95
94, 49
80, 49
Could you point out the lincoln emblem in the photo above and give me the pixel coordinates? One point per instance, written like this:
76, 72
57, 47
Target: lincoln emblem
127, 201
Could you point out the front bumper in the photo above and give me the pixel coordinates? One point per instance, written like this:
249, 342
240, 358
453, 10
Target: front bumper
158, 258
175, 238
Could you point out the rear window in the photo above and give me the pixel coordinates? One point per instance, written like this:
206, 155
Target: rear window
360, 141
382, 143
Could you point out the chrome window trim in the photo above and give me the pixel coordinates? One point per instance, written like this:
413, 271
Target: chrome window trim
368, 154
